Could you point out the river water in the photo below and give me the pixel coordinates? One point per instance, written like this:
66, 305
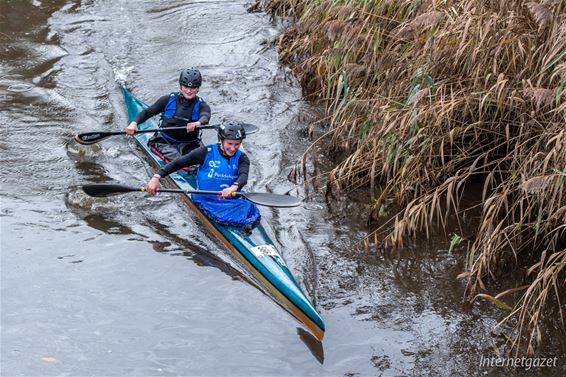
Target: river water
135, 285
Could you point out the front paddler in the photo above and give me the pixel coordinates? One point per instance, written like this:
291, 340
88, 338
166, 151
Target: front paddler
223, 167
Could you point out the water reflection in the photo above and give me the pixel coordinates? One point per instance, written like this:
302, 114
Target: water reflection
91, 170
312, 344
198, 254
101, 222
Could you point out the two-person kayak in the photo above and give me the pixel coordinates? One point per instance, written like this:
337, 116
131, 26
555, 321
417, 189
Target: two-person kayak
253, 247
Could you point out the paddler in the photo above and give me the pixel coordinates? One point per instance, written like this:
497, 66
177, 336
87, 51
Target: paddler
184, 104
224, 168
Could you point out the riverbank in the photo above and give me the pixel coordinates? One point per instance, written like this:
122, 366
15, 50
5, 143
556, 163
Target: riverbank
451, 115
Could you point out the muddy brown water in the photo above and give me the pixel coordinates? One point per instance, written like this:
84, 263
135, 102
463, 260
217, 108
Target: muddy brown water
135, 285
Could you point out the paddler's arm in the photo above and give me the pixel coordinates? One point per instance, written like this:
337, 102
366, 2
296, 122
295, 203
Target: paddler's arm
195, 157
243, 172
157, 108
204, 117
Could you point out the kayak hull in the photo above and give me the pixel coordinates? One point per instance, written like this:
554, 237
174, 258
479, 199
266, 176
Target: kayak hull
253, 248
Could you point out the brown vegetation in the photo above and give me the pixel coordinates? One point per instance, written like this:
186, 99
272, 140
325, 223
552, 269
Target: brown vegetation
426, 98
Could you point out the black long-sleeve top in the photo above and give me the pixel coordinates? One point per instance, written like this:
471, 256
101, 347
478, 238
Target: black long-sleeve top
197, 157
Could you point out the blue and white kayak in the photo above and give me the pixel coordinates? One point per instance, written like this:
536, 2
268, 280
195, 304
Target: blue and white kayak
255, 249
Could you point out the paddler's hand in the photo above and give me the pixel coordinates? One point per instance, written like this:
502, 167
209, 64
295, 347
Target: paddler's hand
227, 192
153, 184
132, 128
191, 127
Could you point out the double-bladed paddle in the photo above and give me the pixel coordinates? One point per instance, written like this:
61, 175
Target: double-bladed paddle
259, 198
89, 138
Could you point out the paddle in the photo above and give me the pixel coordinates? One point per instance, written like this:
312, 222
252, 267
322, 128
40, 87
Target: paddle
89, 138
259, 198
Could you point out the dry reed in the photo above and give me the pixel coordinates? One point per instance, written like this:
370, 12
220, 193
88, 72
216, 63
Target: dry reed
425, 99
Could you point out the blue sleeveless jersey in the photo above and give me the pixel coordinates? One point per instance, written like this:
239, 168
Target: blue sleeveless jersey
217, 173
171, 107
168, 114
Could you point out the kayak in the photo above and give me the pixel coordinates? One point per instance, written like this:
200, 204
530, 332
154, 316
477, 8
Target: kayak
253, 246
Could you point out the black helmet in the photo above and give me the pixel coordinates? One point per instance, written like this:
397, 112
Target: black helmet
232, 131
190, 77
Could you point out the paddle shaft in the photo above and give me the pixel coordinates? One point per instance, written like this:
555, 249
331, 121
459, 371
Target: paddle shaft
203, 192
96, 136
260, 198
171, 129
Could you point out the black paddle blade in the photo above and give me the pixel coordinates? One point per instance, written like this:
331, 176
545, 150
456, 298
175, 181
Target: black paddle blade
272, 200
92, 137
103, 190
250, 128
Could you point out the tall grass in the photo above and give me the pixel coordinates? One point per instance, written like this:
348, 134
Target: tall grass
426, 99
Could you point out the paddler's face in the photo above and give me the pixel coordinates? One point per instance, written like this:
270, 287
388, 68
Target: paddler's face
188, 92
230, 147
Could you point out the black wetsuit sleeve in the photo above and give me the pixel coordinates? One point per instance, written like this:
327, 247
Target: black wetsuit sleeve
243, 170
194, 157
204, 116
157, 108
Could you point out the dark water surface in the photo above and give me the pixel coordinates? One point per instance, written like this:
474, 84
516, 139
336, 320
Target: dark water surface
135, 286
